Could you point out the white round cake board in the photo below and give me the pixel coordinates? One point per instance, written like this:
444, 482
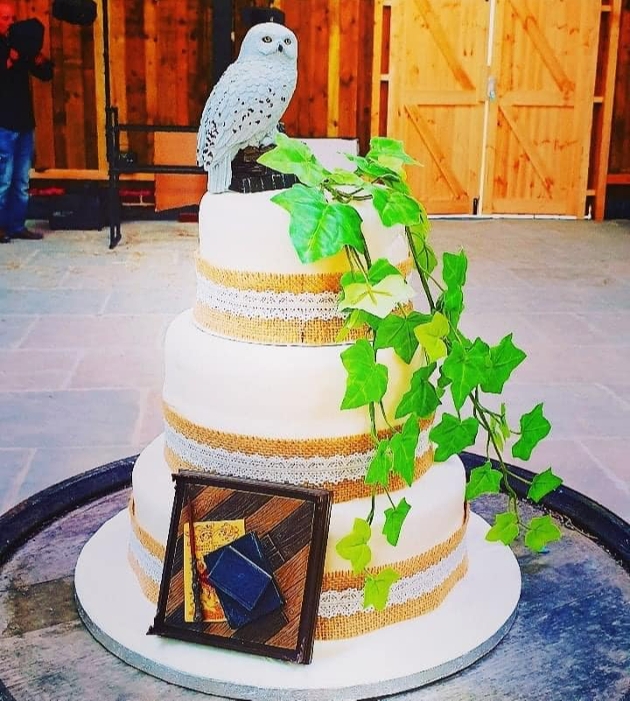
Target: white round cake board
471, 621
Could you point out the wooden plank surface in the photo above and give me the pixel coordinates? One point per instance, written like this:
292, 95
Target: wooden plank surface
351, 58
135, 75
42, 92
74, 104
59, 126
544, 57
173, 191
620, 145
436, 93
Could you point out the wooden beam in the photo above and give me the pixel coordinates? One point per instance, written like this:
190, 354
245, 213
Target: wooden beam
99, 91
377, 69
444, 44
85, 174
433, 145
602, 158
618, 179
528, 20
334, 68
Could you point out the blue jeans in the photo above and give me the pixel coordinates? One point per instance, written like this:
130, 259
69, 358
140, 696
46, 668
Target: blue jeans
16, 157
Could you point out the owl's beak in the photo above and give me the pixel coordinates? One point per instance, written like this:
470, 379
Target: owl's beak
280, 49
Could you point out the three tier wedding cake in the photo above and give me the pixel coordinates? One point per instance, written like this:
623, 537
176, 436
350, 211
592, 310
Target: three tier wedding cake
253, 387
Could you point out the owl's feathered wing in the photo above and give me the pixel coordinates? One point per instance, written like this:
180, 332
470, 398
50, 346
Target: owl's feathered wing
244, 107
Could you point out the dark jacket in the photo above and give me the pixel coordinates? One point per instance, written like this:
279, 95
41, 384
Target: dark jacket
16, 100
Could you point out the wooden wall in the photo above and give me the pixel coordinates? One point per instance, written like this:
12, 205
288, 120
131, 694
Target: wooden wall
161, 67
333, 95
65, 108
620, 137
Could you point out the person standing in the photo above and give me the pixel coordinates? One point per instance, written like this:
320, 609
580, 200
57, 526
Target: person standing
17, 128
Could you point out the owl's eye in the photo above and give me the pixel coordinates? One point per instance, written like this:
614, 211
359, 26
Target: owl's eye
287, 41
267, 40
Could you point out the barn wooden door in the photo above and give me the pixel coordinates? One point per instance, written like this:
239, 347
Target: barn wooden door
539, 122
437, 88
501, 121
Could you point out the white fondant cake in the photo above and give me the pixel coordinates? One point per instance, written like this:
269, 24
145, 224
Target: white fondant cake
253, 388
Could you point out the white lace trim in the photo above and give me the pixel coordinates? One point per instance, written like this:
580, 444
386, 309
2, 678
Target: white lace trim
303, 306
350, 601
149, 564
317, 470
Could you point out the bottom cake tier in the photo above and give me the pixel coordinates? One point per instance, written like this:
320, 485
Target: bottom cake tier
470, 623
430, 556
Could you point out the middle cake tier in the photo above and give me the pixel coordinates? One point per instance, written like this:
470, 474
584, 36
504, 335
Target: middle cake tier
273, 412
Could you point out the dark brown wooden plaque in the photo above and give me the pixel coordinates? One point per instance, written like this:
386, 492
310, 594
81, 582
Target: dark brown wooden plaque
277, 533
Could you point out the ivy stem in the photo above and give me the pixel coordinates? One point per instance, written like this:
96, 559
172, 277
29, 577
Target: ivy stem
373, 432
370, 516
382, 407
421, 273
479, 411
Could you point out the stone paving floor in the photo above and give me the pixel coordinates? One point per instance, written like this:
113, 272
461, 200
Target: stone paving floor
81, 332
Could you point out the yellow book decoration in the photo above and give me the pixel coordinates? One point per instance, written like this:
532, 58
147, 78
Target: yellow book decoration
209, 535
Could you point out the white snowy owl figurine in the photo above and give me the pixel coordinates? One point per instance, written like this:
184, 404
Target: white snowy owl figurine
249, 99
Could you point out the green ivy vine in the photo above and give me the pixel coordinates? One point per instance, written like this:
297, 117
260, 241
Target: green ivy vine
375, 296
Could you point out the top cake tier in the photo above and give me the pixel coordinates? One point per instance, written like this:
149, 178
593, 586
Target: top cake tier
252, 286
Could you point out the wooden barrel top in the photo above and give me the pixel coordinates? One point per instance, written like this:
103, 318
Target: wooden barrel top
570, 641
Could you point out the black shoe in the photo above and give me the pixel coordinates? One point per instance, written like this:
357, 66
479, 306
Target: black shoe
4, 237
27, 235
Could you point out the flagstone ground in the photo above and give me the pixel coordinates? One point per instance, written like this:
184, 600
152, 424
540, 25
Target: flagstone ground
82, 327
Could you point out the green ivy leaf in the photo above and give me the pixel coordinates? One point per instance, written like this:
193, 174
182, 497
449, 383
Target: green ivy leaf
383, 146
452, 435
431, 334
483, 480
378, 271
354, 547
294, 156
319, 228
380, 465
540, 531
425, 255
400, 185
372, 170
504, 358
355, 320
403, 446
534, 427
395, 207
543, 484
466, 368
503, 424
421, 397
443, 381
380, 299
377, 588
340, 176
397, 332
505, 528
367, 379
394, 519
454, 267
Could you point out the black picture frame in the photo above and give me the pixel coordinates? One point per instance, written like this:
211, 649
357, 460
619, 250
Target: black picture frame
290, 526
